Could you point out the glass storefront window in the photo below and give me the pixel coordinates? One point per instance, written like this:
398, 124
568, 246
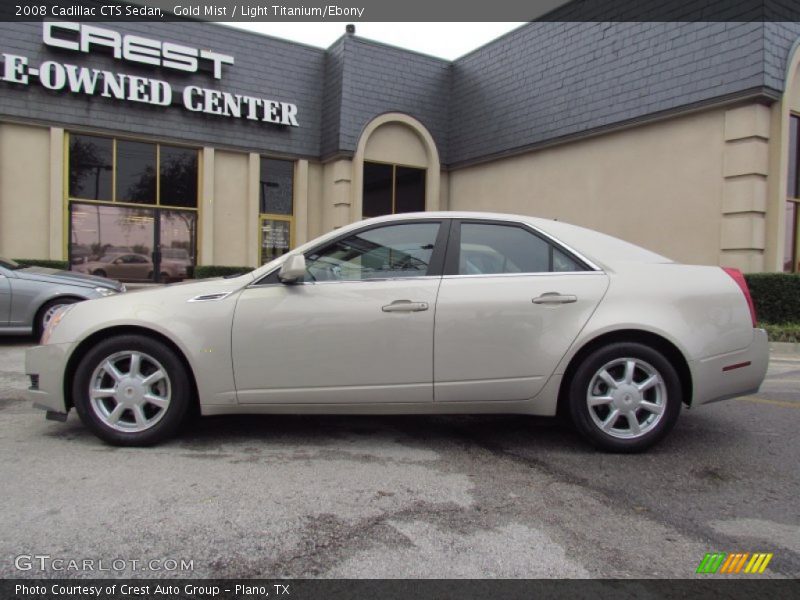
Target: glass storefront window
378, 182
276, 204
155, 241
91, 161
391, 189
136, 172
276, 238
409, 190
119, 242
177, 242
112, 241
114, 170
277, 187
178, 176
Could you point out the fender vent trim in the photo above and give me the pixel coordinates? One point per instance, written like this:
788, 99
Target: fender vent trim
210, 297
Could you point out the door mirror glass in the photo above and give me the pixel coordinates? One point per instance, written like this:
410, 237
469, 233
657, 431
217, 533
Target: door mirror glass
293, 269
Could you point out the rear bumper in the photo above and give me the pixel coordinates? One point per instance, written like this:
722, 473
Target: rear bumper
47, 363
733, 374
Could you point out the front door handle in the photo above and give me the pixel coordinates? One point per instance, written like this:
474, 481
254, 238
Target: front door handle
405, 306
553, 298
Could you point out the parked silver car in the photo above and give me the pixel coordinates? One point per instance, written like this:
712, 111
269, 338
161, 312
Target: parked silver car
418, 313
30, 296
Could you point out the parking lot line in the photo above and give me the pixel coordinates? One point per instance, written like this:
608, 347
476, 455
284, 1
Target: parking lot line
782, 403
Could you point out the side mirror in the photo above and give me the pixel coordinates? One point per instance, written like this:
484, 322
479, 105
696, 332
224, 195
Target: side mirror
293, 269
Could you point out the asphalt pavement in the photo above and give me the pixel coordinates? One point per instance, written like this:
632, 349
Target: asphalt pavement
429, 497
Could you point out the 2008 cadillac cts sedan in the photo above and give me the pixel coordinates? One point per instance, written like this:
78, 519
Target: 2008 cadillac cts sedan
418, 313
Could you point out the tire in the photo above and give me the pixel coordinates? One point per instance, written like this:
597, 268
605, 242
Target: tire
99, 273
611, 379
45, 313
137, 407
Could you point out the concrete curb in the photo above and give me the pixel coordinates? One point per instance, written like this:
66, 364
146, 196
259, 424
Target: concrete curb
785, 349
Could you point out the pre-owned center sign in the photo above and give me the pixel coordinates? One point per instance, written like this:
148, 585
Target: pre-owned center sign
85, 38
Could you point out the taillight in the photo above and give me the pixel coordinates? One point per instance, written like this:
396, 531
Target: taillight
738, 277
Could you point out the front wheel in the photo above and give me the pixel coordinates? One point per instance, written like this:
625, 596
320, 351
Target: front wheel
625, 397
131, 390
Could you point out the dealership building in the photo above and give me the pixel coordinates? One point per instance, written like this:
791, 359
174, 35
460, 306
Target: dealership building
140, 149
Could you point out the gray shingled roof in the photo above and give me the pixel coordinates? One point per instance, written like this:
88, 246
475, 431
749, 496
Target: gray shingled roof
540, 83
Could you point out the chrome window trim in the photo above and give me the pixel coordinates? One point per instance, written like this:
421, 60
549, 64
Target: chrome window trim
330, 281
526, 274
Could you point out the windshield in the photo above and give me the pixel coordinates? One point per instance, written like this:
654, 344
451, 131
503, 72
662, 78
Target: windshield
9, 263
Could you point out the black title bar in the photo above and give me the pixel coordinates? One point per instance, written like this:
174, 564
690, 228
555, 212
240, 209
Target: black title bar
405, 10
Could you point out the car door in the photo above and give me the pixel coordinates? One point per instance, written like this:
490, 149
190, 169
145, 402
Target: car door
359, 328
5, 297
510, 304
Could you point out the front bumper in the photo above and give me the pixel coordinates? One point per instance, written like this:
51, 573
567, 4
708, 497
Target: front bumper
47, 365
733, 374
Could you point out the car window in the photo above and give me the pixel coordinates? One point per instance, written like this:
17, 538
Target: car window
392, 251
488, 248
562, 262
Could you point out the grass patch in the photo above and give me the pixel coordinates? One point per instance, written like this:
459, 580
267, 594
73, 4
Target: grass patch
782, 332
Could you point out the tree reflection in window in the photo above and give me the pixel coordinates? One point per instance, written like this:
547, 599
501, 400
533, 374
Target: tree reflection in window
136, 172
90, 167
178, 176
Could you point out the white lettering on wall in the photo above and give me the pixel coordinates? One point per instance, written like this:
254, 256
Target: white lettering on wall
85, 38
82, 37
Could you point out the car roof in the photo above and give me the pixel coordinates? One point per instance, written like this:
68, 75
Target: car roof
601, 249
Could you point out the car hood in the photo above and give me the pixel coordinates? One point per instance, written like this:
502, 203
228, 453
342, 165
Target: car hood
174, 294
178, 309
67, 277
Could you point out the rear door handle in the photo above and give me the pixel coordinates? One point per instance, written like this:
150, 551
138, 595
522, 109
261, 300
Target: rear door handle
405, 306
555, 298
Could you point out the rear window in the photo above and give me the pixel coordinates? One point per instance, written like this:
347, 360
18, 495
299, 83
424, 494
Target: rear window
600, 246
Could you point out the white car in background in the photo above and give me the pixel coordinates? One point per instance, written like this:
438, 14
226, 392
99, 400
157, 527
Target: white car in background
418, 313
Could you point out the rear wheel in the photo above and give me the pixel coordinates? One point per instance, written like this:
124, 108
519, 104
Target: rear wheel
131, 390
625, 397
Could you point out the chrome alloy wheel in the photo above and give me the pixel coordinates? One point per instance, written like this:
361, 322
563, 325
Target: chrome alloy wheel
130, 391
626, 398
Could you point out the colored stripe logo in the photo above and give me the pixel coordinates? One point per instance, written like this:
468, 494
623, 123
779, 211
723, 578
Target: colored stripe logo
734, 563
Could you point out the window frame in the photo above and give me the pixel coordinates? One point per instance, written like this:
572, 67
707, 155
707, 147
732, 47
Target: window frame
453, 255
